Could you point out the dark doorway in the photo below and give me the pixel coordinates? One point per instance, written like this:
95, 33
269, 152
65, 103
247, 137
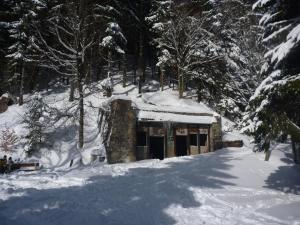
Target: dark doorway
141, 138
181, 145
203, 139
157, 147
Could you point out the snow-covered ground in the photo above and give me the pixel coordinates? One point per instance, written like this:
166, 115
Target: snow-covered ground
230, 186
62, 135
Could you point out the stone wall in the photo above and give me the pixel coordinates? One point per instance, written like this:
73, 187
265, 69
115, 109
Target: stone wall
118, 124
216, 135
121, 132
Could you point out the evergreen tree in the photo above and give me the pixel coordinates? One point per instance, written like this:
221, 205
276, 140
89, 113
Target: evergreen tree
274, 108
131, 18
184, 44
21, 31
36, 119
238, 35
5, 18
113, 44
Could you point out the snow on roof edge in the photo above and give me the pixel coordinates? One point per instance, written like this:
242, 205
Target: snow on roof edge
152, 116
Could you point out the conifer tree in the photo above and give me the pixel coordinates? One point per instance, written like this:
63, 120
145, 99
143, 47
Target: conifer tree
274, 107
21, 31
113, 44
36, 120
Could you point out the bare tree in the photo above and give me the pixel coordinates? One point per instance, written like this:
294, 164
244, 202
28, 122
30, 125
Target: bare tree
73, 25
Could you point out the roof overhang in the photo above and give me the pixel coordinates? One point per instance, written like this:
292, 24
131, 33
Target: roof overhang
152, 116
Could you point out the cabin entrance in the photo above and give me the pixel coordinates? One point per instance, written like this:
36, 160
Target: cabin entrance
181, 145
156, 147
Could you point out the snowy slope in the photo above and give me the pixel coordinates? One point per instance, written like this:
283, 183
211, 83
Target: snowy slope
230, 186
63, 135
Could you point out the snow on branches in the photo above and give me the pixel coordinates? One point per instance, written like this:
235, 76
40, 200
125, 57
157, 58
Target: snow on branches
8, 139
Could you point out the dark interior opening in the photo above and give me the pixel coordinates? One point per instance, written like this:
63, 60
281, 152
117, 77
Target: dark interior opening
203, 139
193, 140
141, 138
157, 147
181, 145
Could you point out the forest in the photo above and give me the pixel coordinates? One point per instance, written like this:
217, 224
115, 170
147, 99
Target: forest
142, 112
240, 57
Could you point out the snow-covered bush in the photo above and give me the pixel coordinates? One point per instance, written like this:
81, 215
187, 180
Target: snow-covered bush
228, 108
8, 140
107, 85
36, 119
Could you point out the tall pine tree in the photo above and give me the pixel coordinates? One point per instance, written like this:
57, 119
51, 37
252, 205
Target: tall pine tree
275, 106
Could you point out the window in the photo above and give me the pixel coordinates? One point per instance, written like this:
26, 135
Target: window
203, 139
193, 140
141, 138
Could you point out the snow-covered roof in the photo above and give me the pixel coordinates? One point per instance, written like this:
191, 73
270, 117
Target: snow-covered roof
154, 116
168, 102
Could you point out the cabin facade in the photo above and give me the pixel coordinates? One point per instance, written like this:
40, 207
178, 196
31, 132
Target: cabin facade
161, 135
139, 134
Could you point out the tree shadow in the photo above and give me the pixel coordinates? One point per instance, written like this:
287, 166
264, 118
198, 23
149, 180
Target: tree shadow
66, 134
286, 178
141, 195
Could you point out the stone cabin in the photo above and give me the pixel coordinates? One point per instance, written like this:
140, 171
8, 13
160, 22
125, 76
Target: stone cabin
133, 133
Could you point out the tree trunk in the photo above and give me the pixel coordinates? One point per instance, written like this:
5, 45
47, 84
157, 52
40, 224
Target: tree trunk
267, 155
109, 64
108, 89
21, 84
72, 90
141, 71
140, 64
140, 86
294, 130
162, 77
33, 84
141, 46
296, 151
180, 82
124, 64
135, 63
152, 71
199, 97
81, 114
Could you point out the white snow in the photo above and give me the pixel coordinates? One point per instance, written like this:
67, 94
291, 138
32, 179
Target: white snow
266, 83
171, 117
230, 186
106, 41
260, 3
63, 138
283, 49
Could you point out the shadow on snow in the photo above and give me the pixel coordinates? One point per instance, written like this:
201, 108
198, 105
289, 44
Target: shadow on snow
140, 196
286, 178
